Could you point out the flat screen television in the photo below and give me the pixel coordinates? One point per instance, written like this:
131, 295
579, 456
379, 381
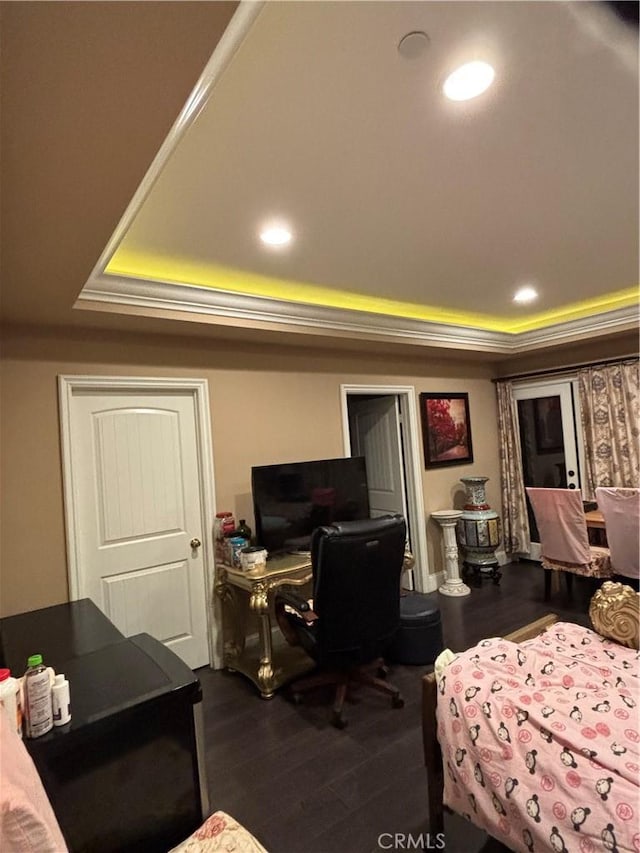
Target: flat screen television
290, 500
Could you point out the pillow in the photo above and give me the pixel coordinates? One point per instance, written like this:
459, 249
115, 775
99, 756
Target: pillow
220, 832
27, 821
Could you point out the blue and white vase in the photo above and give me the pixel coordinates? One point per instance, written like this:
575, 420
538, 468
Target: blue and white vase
479, 530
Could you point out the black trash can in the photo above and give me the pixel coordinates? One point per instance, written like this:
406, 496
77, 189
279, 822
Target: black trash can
419, 638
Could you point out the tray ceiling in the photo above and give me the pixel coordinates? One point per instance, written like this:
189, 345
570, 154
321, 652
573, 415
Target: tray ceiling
412, 216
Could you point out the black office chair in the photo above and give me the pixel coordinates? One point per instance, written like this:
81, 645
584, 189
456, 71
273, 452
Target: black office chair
355, 610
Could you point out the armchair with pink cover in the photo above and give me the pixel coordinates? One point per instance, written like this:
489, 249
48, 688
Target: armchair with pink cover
620, 508
564, 540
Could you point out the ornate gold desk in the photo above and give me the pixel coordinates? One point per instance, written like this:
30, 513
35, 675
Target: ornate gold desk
248, 598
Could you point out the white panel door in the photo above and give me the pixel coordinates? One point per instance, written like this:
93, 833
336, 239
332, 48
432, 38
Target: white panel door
134, 464
375, 431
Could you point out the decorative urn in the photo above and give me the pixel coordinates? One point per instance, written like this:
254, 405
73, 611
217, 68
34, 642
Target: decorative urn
479, 531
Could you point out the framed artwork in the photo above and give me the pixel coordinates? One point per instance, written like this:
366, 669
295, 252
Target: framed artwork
446, 429
547, 423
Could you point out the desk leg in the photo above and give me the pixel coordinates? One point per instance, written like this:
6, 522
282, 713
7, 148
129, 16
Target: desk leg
259, 603
232, 628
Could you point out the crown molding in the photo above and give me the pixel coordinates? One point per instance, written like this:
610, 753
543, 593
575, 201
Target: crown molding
607, 322
204, 304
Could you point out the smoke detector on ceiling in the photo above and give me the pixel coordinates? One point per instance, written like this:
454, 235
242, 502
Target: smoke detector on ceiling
413, 44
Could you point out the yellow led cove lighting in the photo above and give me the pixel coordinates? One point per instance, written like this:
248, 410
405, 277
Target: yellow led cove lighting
576, 311
172, 270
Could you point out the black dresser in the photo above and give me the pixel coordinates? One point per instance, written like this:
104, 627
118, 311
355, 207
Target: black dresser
127, 773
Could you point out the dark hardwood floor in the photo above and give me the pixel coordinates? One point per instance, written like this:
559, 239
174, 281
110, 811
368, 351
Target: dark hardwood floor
301, 786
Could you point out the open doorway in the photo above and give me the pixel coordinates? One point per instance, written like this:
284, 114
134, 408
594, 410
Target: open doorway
381, 424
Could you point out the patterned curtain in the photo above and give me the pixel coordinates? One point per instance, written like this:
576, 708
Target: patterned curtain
610, 412
515, 522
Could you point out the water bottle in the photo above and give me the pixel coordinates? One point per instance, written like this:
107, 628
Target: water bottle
37, 698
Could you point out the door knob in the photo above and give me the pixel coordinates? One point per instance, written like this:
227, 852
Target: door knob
572, 485
195, 543
571, 473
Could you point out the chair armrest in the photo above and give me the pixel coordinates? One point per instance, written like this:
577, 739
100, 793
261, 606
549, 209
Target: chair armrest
288, 598
293, 599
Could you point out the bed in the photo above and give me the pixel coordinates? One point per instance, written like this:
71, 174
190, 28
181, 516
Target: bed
534, 737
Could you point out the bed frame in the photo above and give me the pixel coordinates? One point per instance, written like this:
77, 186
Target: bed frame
614, 613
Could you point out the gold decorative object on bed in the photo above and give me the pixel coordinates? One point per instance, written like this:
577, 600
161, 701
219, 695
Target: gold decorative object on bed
614, 613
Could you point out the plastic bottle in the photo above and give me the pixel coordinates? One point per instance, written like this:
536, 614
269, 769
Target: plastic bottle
10, 699
37, 698
224, 524
235, 544
60, 701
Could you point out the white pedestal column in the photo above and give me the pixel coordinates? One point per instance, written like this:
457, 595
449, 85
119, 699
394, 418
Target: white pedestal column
453, 584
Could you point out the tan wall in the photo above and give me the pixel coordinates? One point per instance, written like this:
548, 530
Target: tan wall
297, 393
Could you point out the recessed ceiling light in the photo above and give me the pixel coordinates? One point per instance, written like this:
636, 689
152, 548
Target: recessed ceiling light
525, 294
276, 235
468, 81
